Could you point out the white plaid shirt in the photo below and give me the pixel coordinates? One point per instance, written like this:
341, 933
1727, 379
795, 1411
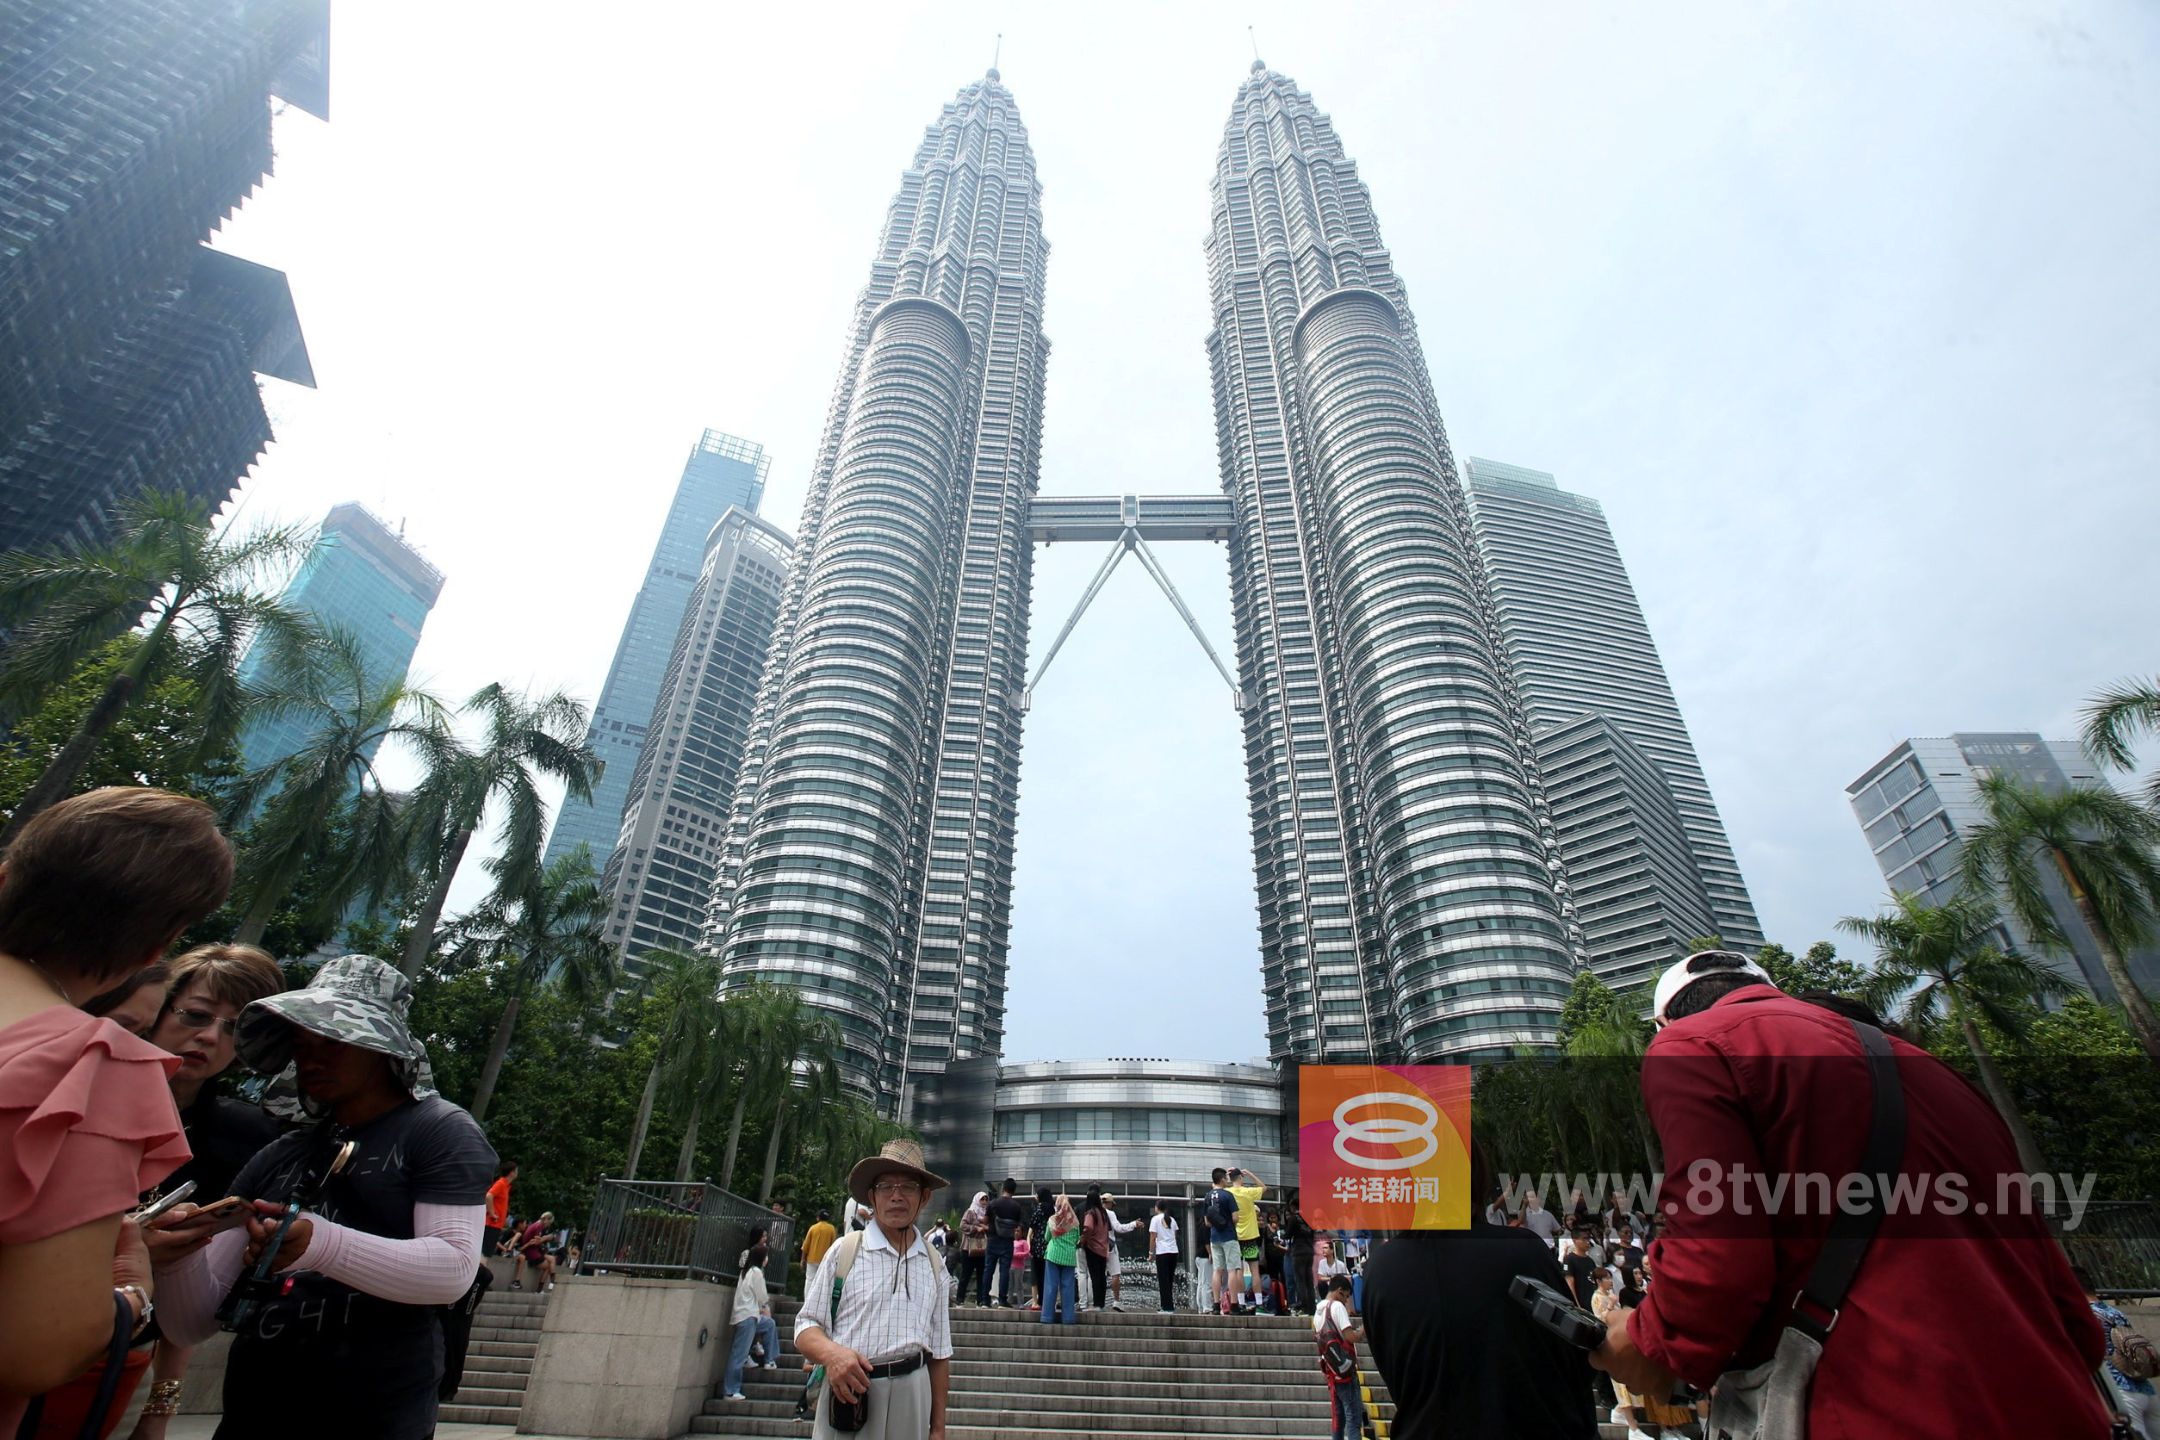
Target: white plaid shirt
891, 1305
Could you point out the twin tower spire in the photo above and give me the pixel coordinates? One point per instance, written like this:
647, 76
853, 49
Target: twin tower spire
1406, 896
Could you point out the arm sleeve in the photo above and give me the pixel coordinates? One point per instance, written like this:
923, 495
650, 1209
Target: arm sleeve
433, 1268
189, 1292
1714, 1277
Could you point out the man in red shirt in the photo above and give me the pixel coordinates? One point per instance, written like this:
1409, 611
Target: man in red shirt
1961, 1322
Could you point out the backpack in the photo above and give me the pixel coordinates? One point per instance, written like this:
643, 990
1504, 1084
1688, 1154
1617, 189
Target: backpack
1002, 1227
2132, 1353
1337, 1360
1221, 1210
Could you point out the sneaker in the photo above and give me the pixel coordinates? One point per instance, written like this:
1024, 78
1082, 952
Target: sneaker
768, 1365
517, 1285
738, 1395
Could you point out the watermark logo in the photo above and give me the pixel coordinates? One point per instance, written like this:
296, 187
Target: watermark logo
1384, 1147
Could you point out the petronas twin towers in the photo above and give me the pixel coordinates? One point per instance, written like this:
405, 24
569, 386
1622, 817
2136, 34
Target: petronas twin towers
1408, 899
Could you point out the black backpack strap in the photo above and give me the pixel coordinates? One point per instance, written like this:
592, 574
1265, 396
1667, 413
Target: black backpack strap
1815, 1308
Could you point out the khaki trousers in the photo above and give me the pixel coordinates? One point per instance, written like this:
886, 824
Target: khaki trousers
899, 1409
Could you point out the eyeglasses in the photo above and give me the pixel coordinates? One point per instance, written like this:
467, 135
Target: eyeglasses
895, 1187
195, 1019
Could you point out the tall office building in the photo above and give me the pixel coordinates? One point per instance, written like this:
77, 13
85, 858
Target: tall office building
361, 577
1631, 873
1578, 645
1916, 804
129, 130
665, 860
869, 858
721, 471
1406, 903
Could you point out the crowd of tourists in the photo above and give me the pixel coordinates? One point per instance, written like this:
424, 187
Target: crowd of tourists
334, 1230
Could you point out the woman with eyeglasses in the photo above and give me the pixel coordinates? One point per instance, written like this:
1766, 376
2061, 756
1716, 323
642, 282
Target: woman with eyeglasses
209, 987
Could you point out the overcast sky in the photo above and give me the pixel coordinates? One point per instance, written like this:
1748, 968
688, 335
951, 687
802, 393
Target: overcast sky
1847, 312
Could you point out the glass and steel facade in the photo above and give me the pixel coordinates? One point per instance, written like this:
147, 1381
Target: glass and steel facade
1407, 903
1915, 804
1577, 644
722, 471
665, 859
1143, 1129
869, 857
361, 577
128, 350
1631, 872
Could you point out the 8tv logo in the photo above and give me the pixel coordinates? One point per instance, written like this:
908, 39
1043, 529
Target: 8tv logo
1384, 1147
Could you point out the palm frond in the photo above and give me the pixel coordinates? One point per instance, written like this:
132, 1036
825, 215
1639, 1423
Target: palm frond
2117, 715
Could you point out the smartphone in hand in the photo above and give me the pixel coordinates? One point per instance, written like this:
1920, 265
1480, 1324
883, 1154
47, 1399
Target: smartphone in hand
214, 1219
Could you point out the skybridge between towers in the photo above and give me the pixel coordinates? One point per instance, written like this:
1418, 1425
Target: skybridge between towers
1130, 521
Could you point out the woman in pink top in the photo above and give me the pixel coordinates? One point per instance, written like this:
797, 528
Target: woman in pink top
92, 889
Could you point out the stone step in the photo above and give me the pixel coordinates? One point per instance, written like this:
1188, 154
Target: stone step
519, 1349
521, 1334
453, 1413
988, 1426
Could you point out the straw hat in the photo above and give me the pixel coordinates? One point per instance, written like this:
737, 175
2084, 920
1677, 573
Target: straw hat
899, 1157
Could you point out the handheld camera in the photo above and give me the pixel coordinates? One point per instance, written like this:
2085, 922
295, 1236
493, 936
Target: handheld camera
1557, 1313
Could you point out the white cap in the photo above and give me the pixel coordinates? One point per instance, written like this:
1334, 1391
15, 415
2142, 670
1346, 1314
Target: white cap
1685, 972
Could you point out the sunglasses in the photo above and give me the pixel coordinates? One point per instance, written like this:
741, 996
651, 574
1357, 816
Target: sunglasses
194, 1019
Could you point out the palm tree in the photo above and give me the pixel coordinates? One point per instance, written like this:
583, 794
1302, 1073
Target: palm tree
2117, 715
1607, 1050
817, 1051
198, 593
2102, 845
770, 1021
693, 1031
324, 804
550, 932
523, 740
1940, 961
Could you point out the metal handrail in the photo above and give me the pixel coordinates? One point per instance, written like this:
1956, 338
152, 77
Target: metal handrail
680, 1229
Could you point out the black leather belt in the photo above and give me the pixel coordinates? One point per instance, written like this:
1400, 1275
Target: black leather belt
894, 1368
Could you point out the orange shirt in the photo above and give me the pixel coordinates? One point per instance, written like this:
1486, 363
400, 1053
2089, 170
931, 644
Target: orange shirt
498, 1202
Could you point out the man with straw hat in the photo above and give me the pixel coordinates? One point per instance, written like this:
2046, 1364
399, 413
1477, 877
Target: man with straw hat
874, 1313
394, 1182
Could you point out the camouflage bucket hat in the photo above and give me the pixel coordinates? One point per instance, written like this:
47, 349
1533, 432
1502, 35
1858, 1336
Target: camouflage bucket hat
356, 999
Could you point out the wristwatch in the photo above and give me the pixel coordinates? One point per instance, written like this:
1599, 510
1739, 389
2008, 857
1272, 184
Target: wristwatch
142, 1317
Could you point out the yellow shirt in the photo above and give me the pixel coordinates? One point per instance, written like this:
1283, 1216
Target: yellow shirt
816, 1241
1248, 1209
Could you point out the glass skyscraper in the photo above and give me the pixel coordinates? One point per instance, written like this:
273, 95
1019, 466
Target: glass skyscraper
661, 873
721, 471
129, 130
869, 857
1916, 803
360, 577
1407, 905
1578, 644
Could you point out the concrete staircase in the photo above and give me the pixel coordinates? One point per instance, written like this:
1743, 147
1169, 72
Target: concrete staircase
1117, 1375
505, 1337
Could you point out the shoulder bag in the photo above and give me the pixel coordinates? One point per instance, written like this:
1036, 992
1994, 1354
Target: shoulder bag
843, 1260
1337, 1360
108, 1383
1770, 1400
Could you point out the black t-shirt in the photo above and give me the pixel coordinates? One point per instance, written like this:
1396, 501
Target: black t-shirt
225, 1134
426, 1152
1581, 1276
1007, 1217
1462, 1360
